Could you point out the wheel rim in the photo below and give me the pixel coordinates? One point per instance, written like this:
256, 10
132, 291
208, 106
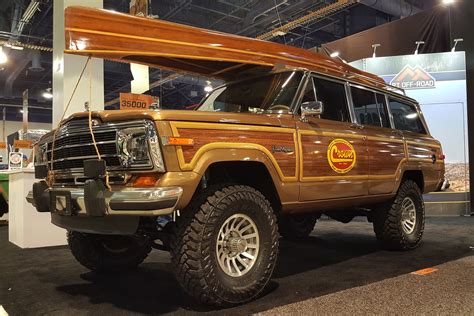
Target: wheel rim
237, 246
408, 219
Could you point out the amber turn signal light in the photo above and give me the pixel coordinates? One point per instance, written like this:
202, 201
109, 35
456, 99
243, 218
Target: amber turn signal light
145, 181
177, 141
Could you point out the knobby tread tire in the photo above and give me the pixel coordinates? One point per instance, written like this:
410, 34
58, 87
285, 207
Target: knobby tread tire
87, 251
387, 225
192, 255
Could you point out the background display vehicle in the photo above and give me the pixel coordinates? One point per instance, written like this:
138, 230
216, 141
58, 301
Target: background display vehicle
260, 157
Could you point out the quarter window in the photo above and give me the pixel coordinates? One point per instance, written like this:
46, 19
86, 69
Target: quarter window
365, 107
406, 117
333, 96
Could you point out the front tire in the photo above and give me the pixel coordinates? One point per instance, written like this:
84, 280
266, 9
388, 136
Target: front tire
226, 245
400, 225
108, 253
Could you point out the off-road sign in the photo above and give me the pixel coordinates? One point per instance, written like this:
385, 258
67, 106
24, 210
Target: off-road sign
411, 78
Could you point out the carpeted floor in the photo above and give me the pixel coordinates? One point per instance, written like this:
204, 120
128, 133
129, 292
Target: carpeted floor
339, 268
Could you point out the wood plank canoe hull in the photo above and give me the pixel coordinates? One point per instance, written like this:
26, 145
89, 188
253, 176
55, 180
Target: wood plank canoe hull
157, 43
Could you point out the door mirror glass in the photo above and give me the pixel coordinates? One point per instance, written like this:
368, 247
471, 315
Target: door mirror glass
313, 108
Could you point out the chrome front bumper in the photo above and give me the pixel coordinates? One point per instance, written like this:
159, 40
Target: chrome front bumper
128, 201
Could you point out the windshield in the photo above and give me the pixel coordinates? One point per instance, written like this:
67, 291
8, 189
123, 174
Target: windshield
265, 94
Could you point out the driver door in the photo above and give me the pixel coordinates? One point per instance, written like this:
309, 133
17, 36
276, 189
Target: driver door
333, 150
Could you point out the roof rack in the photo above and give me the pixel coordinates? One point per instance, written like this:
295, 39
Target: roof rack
377, 82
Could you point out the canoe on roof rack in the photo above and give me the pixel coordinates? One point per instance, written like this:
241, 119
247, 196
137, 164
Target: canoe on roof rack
153, 42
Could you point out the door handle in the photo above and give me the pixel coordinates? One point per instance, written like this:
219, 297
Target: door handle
356, 126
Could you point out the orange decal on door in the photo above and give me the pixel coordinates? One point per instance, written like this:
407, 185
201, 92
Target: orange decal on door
341, 156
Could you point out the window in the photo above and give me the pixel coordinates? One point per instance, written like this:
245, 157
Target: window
405, 117
309, 95
269, 93
333, 96
382, 105
365, 107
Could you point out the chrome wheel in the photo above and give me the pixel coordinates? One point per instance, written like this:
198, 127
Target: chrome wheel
408, 219
237, 245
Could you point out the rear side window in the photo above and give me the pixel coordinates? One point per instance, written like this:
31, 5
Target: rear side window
406, 117
333, 96
365, 107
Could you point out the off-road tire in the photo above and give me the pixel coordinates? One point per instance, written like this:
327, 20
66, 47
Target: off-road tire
297, 226
193, 251
387, 219
89, 250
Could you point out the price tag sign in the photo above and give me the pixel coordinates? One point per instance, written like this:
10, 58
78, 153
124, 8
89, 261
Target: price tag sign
24, 144
132, 101
3, 145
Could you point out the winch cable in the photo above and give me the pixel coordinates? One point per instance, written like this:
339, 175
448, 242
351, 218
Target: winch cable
50, 177
89, 109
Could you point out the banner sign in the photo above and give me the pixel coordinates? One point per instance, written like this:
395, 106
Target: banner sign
132, 101
413, 78
3, 145
25, 144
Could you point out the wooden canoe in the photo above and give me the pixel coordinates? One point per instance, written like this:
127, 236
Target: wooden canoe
126, 38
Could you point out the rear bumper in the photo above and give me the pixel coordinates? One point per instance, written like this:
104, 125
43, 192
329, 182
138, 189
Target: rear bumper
127, 201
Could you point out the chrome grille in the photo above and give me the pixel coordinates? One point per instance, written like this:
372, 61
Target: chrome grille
74, 144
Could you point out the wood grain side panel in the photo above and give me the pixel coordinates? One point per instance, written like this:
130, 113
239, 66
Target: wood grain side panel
385, 158
287, 162
315, 161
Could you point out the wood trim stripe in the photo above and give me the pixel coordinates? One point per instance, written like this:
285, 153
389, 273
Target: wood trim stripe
232, 145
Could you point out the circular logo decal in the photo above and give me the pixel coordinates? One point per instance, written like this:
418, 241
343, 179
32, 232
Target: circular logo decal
341, 156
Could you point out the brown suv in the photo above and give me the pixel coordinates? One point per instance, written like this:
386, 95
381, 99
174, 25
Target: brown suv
259, 158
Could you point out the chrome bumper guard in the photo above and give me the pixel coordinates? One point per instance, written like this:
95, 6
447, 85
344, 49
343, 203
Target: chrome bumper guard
134, 201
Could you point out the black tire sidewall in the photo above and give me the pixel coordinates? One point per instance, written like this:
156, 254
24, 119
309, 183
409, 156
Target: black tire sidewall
227, 287
414, 194
89, 250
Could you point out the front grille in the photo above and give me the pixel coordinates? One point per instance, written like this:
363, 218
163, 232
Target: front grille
74, 144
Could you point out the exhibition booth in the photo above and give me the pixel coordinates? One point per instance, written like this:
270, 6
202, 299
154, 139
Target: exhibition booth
378, 125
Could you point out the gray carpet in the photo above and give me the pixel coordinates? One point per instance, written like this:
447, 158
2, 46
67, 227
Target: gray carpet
337, 257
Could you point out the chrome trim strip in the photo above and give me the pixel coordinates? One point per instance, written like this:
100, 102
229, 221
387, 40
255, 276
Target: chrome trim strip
127, 195
80, 145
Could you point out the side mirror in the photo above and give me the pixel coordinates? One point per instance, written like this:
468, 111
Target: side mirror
313, 108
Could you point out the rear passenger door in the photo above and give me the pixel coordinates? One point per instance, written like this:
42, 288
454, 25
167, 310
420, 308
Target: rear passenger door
333, 150
385, 145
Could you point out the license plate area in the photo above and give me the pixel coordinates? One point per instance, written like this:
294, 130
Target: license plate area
61, 203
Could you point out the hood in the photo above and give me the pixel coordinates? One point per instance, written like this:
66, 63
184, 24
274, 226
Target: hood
277, 120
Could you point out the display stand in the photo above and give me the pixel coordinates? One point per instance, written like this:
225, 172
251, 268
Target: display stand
27, 227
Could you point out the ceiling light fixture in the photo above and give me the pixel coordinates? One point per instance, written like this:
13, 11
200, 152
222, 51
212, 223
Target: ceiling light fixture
448, 2
47, 94
208, 88
3, 56
334, 55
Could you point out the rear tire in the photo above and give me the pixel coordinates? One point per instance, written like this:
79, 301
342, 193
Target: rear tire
399, 225
108, 252
297, 226
226, 245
